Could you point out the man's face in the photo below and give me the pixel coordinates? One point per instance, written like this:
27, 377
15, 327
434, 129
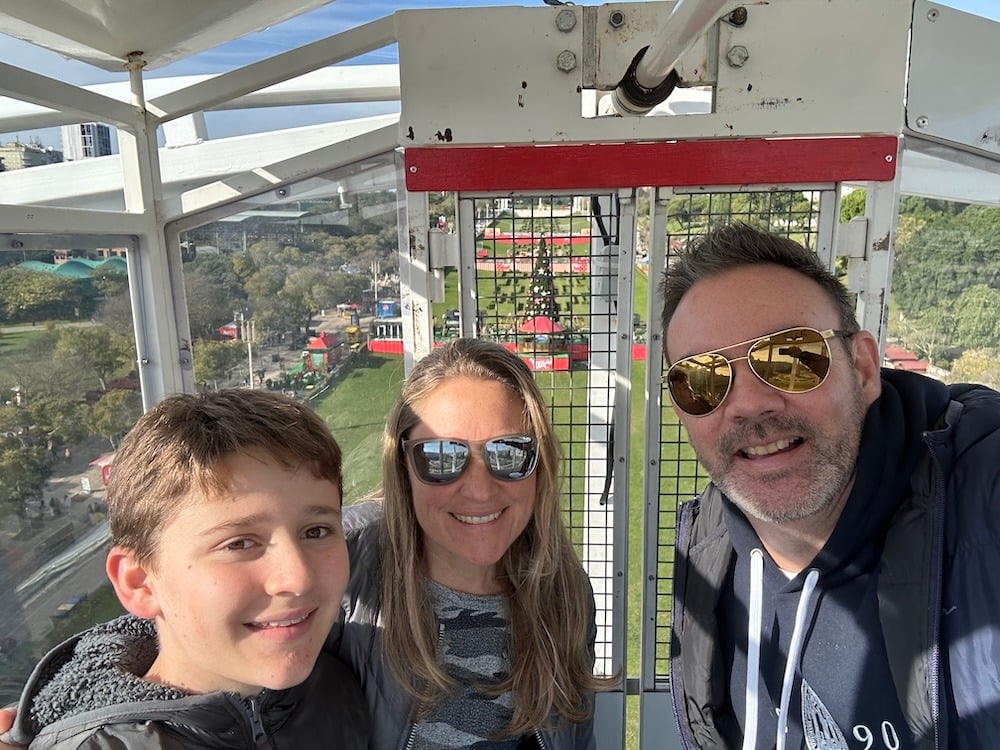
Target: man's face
247, 585
779, 456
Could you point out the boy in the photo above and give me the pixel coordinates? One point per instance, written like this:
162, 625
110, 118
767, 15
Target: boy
228, 551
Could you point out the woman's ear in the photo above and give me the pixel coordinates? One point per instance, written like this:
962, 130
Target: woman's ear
133, 582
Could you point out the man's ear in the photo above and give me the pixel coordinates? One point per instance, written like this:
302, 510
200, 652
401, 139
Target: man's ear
133, 582
867, 365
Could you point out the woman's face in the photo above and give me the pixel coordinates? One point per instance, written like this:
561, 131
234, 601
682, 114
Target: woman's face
468, 524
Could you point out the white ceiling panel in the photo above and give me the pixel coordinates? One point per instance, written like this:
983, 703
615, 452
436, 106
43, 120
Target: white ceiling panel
104, 32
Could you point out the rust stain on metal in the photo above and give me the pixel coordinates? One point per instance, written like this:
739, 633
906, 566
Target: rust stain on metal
991, 136
774, 103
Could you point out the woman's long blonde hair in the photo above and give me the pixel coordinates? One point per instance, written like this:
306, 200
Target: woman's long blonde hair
548, 594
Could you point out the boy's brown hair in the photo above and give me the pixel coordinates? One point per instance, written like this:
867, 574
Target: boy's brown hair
180, 445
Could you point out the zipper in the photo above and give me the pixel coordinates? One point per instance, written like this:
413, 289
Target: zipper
684, 528
258, 734
937, 585
412, 738
413, 726
539, 740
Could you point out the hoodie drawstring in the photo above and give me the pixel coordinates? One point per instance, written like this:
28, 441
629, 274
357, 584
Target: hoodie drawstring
794, 654
753, 647
753, 651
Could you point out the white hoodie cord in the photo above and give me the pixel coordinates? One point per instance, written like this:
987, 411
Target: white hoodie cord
753, 648
794, 653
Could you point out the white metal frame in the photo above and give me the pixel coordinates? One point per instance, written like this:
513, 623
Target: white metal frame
512, 75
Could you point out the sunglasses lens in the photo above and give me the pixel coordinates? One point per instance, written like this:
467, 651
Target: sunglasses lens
792, 361
511, 458
443, 461
698, 384
439, 461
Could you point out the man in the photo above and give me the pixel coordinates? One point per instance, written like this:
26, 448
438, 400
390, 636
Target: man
836, 584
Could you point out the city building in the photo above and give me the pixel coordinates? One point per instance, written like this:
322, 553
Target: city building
85, 140
17, 155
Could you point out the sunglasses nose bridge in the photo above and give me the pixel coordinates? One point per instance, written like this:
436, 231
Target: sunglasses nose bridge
476, 479
749, 390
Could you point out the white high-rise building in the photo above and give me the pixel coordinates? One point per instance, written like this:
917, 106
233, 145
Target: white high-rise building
85, 140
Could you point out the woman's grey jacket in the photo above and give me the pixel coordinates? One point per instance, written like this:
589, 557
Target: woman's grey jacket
358, 642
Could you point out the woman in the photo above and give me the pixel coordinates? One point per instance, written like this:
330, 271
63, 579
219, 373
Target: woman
469, 617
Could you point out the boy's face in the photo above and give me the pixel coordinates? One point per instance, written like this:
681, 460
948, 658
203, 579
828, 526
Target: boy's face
247, 585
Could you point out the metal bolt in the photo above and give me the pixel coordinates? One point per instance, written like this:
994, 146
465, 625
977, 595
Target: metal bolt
738, 55
566, 20
922, 122
889, 158
413, 170
616, 19
738, 17
932, 15
566, 61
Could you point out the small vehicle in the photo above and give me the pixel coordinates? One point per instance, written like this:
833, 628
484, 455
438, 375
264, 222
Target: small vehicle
68, 606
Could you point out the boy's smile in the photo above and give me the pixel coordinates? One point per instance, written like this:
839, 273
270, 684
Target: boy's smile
245, 586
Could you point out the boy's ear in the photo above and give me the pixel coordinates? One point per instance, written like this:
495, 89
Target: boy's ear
133, 583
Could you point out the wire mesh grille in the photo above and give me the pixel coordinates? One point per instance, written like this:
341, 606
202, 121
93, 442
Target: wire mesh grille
790, 213
543, 284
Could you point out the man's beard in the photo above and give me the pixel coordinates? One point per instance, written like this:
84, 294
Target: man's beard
822, 484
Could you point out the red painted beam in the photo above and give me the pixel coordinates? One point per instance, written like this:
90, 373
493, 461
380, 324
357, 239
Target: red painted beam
732, 162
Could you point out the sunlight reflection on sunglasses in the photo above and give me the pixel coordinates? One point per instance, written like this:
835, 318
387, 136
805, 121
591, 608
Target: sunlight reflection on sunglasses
793, 360
443, 460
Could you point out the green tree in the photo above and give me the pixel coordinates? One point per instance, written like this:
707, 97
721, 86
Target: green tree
115, 413
63, 419
930, 334
96, 350
852, 204
24, 470
115, 312
978, 366
109, 283
213, 360
944, 258
306, 292
27, 295
346, 287
977, 315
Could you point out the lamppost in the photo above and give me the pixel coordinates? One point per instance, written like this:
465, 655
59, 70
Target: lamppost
246, 329
376, 269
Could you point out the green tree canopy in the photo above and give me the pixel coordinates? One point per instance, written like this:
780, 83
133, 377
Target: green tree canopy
977, 315
115, 413
213, 360
97, 351
978, 366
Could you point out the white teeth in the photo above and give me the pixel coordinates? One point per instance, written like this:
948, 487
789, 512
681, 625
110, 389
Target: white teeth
766, 450
475, 520
280, 623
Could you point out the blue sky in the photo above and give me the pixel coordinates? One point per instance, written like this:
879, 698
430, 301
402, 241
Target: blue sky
332, 18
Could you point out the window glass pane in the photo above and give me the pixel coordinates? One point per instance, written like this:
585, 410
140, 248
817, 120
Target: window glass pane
70, 390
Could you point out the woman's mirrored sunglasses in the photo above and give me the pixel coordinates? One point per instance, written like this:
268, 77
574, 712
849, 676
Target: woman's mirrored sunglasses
795, 360
443, 460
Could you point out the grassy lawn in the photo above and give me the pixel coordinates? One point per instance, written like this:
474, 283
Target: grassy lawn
14, 347
355, 408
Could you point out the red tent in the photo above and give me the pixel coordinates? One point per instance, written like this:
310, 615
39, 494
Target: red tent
325, 340
104, 462
540, 324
